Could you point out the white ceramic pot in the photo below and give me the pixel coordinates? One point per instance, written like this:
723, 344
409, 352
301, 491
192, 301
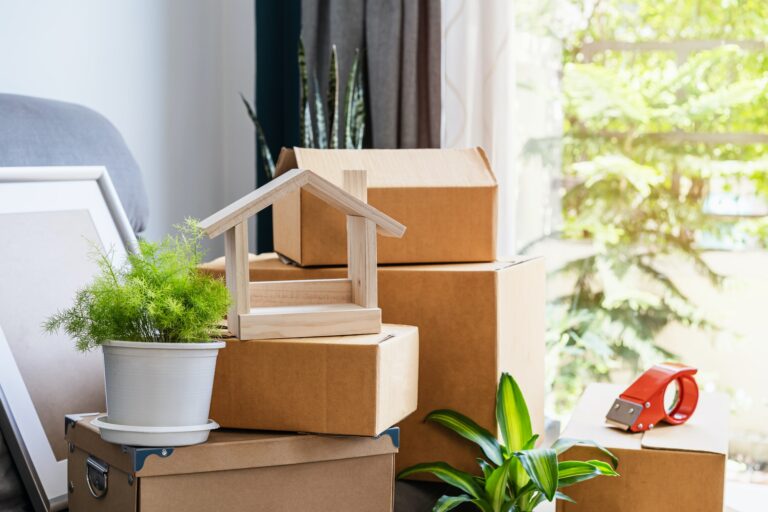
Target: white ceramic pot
160, 385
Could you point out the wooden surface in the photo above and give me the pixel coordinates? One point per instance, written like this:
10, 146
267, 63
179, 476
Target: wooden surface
296, 293
236, 257
249, 205
361, 245
307, 321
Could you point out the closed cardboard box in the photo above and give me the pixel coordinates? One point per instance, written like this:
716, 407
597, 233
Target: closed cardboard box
667, 469
234, 471
475, 320
445, 197
352, 385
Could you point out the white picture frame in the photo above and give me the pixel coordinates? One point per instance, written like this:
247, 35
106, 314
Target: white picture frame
51, 221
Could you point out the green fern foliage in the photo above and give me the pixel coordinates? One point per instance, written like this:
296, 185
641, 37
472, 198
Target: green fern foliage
157, 296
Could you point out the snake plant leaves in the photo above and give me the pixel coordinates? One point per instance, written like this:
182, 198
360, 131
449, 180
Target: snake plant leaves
354, 106
450, 502
448, 474
541, 466
333, 99
470, 430
322, 128
574, 471
512, 414
565, 443
305, 121
267, 162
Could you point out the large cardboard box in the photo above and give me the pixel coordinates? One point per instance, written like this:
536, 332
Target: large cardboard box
667, 469
352, 385
475, 320
233, 471
445, 197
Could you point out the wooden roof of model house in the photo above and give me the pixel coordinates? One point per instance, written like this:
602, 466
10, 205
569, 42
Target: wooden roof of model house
321, 307
251, 204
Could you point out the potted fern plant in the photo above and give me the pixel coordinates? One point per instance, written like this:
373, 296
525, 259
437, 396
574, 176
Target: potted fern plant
153, 318
516, 476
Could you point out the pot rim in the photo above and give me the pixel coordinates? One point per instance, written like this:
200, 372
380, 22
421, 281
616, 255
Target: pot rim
178, 345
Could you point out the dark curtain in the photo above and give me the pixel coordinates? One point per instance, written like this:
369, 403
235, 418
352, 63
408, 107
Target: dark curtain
277, 89
400, 40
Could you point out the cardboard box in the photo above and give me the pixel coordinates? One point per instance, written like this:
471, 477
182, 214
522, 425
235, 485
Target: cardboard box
667, 469
445, 197
351, 385
233, 471
475, 320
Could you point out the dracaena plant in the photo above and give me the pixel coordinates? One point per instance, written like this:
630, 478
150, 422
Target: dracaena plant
516, 476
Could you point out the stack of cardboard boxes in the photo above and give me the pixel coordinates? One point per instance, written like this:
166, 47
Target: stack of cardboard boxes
454, 319
477, 316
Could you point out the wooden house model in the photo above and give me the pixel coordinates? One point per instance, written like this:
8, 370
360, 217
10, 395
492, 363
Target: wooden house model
319, 307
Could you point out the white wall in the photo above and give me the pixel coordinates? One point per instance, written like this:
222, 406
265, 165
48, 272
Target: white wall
166, 73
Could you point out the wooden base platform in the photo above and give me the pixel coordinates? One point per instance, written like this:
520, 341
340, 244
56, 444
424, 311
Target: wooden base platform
310, 320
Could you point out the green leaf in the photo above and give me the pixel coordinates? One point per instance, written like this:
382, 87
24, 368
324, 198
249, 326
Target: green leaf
565, 443
541, 466
574, 471
450, 502
447, 474
496, 485
305, 121
322, 128
333, 98
564, 497
470, 430
267, 162
354, 106
512, 414
487, 468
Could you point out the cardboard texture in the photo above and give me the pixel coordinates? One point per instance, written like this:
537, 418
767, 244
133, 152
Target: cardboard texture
352, 385
237, 471
667, 469
475, 320
446, 197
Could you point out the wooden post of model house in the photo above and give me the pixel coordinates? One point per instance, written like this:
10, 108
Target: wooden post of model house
237, 275
361, 245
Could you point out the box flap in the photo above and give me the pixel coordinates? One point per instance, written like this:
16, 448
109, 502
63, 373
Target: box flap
270, 261
387, 332
396, 168
706, 431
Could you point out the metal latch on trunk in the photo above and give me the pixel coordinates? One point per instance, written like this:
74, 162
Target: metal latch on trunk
96, 476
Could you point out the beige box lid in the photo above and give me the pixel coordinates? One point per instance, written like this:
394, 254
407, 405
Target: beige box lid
396, 168
706, 431
228, 450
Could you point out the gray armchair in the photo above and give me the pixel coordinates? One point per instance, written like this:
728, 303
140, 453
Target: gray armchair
40, 132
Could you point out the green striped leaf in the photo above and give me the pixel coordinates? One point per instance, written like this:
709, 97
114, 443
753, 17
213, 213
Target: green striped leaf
496, 485
450, 502
333, 99
574, 471
267, 162
487, 468
512, 414
447, 474
564, 497
565, 443
322, 128
541, 466
305, 121
470, 430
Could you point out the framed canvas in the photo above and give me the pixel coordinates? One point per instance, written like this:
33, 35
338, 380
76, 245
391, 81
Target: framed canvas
52, 220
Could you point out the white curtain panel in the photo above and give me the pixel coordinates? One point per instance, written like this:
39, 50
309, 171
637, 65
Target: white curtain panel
500, 91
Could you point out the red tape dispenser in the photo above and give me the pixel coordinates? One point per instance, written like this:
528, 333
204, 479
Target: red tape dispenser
642, 406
